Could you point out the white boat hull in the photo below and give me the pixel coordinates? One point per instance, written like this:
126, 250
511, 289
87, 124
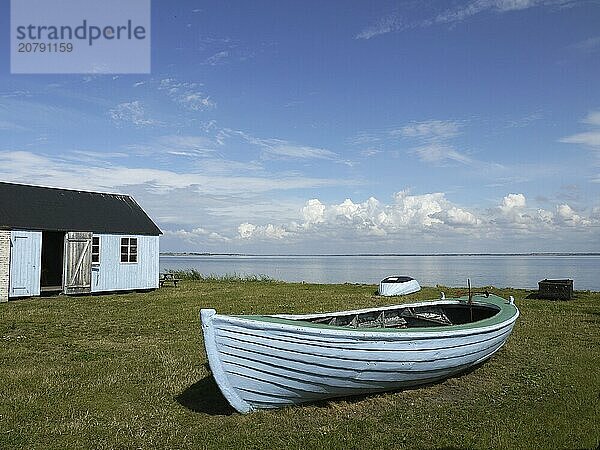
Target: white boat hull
270, 365
392, 289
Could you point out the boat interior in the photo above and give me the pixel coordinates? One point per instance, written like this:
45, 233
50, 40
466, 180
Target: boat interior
410, 316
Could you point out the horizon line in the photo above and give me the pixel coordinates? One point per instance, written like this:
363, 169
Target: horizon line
383, 254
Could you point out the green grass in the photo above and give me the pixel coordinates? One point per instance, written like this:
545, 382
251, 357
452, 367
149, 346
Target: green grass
129, 371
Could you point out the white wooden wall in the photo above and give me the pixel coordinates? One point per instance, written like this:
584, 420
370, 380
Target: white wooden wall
25, 263
4, 264
113, 275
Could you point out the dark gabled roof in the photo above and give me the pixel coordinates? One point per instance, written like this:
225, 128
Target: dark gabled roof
41, 208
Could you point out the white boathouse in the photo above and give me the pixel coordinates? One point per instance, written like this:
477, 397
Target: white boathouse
74, 242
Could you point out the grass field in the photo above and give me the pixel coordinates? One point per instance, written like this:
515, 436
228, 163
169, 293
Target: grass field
129, 371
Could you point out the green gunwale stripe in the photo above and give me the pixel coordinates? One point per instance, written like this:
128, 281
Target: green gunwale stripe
507, 311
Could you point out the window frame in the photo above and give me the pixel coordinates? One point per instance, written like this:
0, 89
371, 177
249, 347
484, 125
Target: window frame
129, 253
97, 246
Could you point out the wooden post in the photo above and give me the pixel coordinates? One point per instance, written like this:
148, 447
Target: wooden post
470, 299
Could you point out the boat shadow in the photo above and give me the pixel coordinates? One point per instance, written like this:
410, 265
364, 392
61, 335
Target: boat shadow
326, 403
204, 396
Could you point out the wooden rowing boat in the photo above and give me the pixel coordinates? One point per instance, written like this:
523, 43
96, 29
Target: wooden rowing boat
273, 361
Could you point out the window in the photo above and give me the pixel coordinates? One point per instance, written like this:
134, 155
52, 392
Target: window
96, 250
128, 250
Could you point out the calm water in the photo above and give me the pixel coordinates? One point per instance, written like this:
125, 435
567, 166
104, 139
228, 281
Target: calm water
499, 271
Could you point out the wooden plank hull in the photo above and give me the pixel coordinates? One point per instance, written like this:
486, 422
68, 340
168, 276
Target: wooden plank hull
260, 364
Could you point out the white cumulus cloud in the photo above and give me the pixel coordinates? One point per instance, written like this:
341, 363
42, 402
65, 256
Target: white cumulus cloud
197, 235
458, 216
567, 215
250, 231
512, 202
313, 212
417, 216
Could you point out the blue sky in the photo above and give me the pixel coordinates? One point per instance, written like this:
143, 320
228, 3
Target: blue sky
335, 127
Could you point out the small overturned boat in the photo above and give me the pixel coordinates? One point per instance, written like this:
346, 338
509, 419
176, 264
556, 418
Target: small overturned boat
395, 285
272, 361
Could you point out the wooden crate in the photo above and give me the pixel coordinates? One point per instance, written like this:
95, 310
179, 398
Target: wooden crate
555, 289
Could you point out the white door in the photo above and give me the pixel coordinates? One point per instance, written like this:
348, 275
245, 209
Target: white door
25, 263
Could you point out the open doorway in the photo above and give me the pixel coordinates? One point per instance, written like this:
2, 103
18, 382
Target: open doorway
53, 244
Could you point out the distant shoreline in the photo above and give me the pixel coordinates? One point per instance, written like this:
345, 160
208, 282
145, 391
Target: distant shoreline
380, 254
